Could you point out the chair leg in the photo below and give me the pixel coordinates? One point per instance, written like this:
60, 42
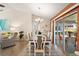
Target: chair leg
49, 49
29, 49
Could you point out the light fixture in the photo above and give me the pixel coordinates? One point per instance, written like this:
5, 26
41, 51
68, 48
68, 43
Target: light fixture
39, 19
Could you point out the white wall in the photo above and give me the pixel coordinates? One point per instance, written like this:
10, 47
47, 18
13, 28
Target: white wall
22, 19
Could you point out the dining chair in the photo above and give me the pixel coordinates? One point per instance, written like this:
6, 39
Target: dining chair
39, 48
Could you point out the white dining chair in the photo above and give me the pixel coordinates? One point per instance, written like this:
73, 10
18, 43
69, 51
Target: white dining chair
39, 49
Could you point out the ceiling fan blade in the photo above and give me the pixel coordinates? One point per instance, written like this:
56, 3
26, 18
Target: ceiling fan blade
2, 5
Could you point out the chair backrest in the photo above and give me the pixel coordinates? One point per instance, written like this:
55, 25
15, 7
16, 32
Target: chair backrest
39, 42
30, 36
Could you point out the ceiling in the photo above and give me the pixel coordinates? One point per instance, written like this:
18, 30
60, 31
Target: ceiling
47, 10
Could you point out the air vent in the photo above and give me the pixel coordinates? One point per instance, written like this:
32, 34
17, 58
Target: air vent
2, 5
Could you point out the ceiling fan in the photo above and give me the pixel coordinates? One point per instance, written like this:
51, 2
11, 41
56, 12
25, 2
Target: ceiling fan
1, 7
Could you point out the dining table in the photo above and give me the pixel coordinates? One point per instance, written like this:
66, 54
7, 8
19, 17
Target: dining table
33, 43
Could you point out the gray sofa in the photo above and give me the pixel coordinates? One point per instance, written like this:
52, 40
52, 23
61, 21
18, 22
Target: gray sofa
7, 42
